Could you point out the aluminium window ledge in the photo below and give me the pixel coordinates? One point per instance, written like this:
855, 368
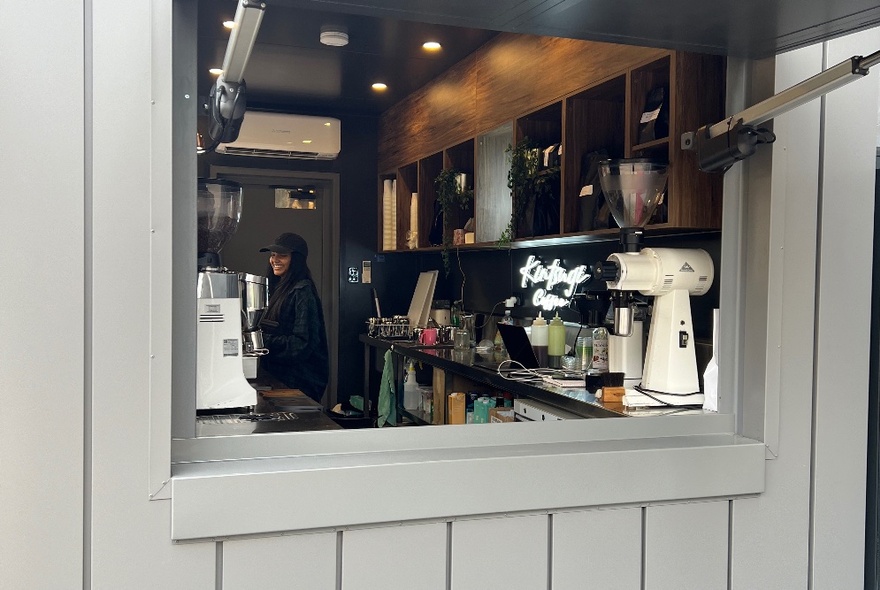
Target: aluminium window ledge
466, 470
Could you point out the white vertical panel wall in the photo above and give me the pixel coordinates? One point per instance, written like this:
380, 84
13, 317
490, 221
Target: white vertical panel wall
686, 546
678, 546
410, 557
784, 189
821, 222
597, 549
294, 562
500, 553
130, 534
843, 321
103, 231
42, 316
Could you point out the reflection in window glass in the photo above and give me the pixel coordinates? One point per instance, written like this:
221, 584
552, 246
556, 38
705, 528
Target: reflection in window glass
298, 197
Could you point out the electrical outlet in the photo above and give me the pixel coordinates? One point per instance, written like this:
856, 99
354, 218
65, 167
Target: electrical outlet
367, 272
353, 274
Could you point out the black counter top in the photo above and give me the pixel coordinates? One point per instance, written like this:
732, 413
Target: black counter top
578, 401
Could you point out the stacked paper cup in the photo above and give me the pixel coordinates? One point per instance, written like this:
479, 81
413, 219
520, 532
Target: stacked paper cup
389, 214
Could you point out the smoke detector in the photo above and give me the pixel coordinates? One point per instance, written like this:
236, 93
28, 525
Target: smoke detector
334, 36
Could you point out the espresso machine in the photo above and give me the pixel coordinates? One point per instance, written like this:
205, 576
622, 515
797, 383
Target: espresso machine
633, 188
230, 306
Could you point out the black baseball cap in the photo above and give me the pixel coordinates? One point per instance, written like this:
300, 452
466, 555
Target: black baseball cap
287, 243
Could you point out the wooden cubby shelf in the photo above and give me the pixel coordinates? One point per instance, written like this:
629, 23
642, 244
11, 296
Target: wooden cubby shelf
599, 117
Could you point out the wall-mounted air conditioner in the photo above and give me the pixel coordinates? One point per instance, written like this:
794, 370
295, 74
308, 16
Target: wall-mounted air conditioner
277, 135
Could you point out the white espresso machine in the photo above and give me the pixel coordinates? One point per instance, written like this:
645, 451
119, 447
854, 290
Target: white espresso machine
230, 306
633, 188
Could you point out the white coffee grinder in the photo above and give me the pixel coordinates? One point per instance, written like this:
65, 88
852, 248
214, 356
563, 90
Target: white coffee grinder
633, 188
230, 306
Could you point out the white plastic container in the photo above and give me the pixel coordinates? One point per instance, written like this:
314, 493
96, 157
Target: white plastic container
412, 395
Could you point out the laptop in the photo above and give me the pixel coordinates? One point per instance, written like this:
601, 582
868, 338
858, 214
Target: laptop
519, 349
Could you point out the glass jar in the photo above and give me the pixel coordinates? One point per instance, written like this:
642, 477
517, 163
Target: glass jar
461, 339
583, 349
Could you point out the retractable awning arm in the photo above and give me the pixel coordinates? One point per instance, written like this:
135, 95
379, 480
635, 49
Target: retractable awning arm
721, 145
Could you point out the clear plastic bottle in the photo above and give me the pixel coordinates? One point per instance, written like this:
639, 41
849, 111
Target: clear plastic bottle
600, 350
539, 338
555, 342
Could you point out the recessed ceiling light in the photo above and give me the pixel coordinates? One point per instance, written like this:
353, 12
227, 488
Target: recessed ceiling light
334, 36
431, 46
307, 141
215, 71
327, 124
380, 86
229, 24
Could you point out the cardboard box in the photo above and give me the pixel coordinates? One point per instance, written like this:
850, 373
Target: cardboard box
502, 415
455, 407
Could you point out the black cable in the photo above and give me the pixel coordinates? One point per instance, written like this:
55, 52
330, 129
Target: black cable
645, 391
489, 316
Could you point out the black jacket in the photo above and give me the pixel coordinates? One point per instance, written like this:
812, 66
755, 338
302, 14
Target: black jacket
298, 344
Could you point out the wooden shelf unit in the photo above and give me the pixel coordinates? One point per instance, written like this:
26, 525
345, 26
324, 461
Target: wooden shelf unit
602, 115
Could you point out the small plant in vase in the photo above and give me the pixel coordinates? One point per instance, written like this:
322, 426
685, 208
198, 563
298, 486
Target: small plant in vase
451, 193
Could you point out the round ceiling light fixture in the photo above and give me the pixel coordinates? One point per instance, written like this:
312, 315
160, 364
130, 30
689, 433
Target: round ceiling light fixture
334, 36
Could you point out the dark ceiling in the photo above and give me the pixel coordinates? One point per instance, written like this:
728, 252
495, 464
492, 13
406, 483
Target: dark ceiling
290, 68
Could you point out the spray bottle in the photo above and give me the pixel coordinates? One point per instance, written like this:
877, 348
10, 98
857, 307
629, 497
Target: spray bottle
411, 393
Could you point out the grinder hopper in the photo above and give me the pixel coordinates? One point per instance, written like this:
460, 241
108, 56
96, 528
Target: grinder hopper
633, 188
219, 211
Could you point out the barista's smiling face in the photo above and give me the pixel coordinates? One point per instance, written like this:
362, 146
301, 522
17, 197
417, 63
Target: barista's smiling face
279, 262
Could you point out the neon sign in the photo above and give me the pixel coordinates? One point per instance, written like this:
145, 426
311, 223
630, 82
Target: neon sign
556, 284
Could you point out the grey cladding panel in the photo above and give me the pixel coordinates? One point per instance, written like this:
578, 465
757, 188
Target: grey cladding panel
295, 562
477, 545
597, 549
686, 546
418, 553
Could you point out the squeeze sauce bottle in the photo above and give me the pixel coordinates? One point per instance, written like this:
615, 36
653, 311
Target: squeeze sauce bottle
555, 342
539, 338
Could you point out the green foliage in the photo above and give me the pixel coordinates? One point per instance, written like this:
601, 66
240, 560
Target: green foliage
449, 195
526, 181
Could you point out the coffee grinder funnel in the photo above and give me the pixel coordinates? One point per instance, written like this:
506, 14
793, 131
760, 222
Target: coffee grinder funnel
219, 211
633, 188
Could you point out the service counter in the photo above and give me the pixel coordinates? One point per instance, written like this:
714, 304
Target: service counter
279, 409
461, 366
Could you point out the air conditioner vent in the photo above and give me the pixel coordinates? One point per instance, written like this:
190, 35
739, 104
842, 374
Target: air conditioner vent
265, 153
279, 135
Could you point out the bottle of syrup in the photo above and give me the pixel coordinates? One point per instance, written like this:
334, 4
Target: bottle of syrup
539, 338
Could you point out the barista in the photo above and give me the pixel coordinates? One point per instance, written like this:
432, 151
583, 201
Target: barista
293, 325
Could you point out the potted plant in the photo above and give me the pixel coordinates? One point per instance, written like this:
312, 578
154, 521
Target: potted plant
530, 186
451, 193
